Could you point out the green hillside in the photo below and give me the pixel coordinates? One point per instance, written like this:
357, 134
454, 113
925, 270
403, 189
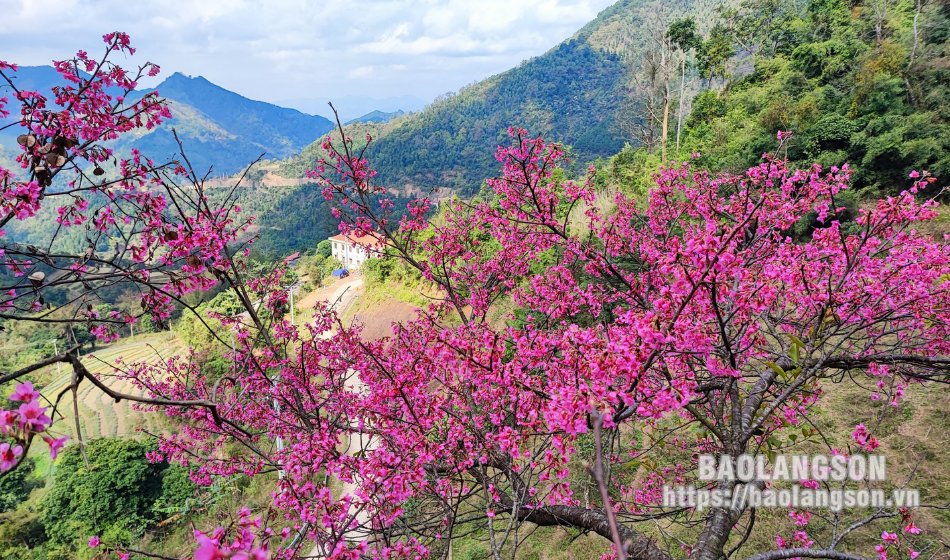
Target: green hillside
853, 82
570, 94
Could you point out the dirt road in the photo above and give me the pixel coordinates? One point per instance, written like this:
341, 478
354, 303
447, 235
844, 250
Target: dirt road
343, 292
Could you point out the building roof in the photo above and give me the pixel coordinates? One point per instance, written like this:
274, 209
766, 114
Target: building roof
366, 239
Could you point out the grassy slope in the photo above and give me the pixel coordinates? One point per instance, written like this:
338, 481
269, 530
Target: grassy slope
99, 415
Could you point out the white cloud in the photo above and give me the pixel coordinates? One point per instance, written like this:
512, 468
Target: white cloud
281, 49
400, 30
360, 73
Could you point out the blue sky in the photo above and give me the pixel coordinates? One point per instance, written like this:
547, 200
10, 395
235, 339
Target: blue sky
287, 49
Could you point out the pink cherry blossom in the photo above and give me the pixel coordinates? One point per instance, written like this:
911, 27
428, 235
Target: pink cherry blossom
7, 420
25, 392
55, 445
33, 417
712, 280
209, 550
9, 456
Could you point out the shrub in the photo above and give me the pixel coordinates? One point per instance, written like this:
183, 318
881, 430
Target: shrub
113, 497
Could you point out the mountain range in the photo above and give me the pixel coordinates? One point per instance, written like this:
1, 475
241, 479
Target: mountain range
570, 94
221, 130
225, 130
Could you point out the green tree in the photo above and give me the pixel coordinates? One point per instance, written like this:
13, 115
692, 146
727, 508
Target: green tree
16, 486
758, 27
325, 248
113, 497
682, 32
713, 54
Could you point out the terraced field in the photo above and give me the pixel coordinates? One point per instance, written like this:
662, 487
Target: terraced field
99, 415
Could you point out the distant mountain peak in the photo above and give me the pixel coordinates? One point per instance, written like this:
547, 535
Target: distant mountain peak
377, 116
227, 130
353, 107
219, 128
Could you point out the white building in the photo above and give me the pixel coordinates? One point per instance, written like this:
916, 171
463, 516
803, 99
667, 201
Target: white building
353, 251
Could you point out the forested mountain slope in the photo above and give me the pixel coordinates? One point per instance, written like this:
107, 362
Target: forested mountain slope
859, 82
864, 83
570, 94
227, 130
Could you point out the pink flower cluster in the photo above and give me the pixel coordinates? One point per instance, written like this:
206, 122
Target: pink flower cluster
210, 547
23, 423
864, 438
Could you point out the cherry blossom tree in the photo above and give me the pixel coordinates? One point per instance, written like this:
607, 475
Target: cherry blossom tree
693, 324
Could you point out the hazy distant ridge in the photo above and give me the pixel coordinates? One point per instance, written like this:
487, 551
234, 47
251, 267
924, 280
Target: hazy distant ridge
353, 106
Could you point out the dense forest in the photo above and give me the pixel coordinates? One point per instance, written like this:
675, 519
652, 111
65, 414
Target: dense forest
296, 221
567, 95
858, 83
